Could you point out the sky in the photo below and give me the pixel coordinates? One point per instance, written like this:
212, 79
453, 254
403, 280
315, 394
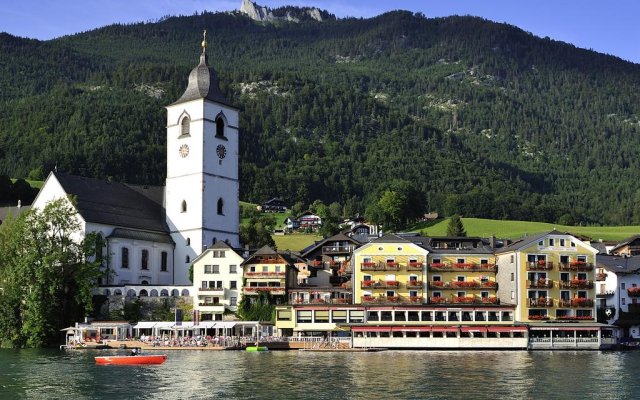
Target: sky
609, 27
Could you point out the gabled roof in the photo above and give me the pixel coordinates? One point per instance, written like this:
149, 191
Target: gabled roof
219, 245
113, 203
13, 211
340, 237
626, 242
390, 238
273, 200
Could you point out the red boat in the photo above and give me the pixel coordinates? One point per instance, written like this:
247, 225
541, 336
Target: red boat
132, 360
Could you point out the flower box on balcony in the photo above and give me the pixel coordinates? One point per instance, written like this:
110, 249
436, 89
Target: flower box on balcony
438, 300
437, 283
393, 283
490, 300
414, 283
437, 265
393, 299
633, 291
415, 299
367, 298
415, 265
368, 264
538, 317
542, 262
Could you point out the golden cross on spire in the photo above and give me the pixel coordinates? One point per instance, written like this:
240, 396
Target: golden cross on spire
204, 41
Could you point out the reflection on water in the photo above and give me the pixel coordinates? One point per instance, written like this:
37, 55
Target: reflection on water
47, 374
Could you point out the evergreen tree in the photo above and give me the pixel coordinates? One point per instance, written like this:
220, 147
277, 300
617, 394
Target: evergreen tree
455, 227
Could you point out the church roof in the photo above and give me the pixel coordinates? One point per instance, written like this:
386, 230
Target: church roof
157, 237
113, 203
203, 83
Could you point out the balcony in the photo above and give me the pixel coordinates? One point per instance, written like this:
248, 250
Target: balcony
442, 267
321, 301
540, 284
581, 302
415, 266
576, 284
576, 266
372, 266
413, 284
540, 265
606, 293
601, 276
465, 300
337, 249
541, 302
275, 290
211, 307
458, 285
212, 291
379, 285
264, 274
633, 292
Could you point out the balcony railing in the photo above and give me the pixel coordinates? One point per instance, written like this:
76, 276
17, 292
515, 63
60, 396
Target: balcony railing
321, 301
381, 266
272, 289
212, 290
464, 300
336, 249
415, 266
379, 285
540, 265
581, 302
413, 284
438, 267
540, 283
457, 285
576, 266
256, 274
576, 284
606, 293
601, 276
541, 302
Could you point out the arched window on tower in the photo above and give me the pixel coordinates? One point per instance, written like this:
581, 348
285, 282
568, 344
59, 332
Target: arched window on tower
183, 207
184, 126
188, 259
220, 127
220, 205
188, 241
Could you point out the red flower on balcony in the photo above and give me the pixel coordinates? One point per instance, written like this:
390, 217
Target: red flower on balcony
438, 300
415, 299
538, 317
437, 283
437, 265
393, 283
542, 262
578, 263
367, 298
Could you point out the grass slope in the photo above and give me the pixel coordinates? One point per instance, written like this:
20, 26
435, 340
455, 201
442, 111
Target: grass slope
295, 242
517, 229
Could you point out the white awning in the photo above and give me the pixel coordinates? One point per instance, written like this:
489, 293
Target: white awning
145, 325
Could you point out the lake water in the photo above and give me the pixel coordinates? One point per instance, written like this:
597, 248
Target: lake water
53, 374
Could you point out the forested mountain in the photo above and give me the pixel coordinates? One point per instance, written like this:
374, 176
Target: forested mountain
486, 119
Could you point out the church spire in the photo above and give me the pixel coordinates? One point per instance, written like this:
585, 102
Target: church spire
204, 42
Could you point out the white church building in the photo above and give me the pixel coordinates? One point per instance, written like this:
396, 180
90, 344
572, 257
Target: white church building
153, 234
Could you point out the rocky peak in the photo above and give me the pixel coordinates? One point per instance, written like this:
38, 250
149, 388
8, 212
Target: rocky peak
286, 13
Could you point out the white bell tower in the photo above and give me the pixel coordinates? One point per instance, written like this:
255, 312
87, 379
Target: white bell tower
202, 187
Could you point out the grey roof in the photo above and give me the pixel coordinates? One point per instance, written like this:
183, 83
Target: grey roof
13, 211
518, 244
619, 264
390, 238
203, 84
158, 237
113, 203
218, 245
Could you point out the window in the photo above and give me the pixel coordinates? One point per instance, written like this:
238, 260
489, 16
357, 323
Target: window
356, 316
233, 301
183, 207
339, 316
624, 301
144, 261
541, 243
218, 284
125, 257
188, 241
561, 242
513, 259
220, 203
219, 126
233, 269
163, 261
233, 285
322, 316
513, 295
622, 285
265, 268
215, 269
284, 315
513, 277
187, 259
277, 268
184, 126
207, 269
551, 242
304, 316
204, 285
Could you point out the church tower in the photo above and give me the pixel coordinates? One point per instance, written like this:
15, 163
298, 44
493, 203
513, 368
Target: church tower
202, 187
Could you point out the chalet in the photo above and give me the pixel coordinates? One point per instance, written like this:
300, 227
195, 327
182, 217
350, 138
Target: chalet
273, 205
309, 220
630, 247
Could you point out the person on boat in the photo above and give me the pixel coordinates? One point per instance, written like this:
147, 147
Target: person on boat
134, 352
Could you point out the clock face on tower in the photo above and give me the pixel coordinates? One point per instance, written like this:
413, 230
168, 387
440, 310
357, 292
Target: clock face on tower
184, 151
221, 151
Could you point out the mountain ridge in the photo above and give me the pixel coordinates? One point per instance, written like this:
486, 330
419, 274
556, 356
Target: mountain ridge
486, 119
